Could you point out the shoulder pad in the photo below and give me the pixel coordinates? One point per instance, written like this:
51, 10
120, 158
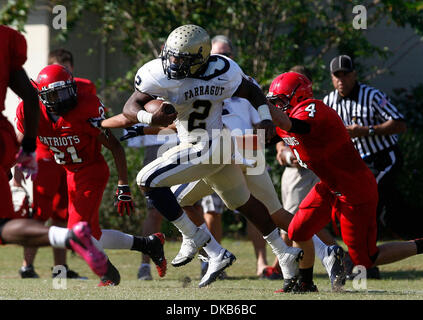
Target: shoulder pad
216, 66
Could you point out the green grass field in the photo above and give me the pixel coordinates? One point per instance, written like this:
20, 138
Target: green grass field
401, 281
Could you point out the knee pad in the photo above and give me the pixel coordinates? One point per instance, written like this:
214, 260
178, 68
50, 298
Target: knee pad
164, 201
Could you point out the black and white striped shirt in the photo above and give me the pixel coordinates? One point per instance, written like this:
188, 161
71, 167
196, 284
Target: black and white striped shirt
366, 106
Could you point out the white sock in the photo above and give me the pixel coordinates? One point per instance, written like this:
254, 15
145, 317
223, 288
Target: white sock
275, 241
213, 247
57, 236
114, 239
185, 225
319, 247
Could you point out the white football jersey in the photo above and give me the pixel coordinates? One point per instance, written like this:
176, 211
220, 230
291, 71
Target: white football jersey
198, 100
239, 115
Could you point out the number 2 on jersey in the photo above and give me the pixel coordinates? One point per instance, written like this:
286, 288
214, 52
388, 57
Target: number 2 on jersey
203, 107
60, 155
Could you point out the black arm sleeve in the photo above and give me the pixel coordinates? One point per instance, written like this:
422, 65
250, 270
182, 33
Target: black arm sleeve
299, 126
273, 141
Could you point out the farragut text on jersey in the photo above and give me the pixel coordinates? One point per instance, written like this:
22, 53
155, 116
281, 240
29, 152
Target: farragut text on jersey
203, 90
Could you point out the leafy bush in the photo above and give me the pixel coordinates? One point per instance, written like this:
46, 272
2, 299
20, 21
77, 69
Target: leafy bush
410, 103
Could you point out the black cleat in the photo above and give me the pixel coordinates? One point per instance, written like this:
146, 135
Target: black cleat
304, 287
112, 276
155, 250
28, 272
70, 274
288, 285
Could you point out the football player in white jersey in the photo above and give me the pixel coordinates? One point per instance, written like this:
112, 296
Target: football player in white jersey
196, 84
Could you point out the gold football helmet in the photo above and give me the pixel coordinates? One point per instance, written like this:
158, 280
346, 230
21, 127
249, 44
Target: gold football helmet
187, 48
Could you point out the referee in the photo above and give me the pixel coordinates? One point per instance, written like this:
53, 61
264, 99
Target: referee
373, 124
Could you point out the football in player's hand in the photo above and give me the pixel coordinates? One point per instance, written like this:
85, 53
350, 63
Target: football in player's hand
153, 105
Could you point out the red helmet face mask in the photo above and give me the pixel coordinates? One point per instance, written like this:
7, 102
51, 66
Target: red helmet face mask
57, 89
289, 89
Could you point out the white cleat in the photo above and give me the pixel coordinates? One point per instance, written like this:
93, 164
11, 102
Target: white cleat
216, 267
333, 263
190, 247
289, 263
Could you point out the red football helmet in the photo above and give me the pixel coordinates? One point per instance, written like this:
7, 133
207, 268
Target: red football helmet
289, 89
57, 89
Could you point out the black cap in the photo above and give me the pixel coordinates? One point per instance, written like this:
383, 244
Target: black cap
341, 63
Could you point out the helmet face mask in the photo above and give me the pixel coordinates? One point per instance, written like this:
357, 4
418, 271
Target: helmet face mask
186, 49
59, 100
289, 89
281, 100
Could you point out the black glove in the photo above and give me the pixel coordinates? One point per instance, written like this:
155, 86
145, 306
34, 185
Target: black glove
123, 200
132, 132
95, 122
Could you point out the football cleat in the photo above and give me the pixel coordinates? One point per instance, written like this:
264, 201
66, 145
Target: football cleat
304, 287
112, 276
28, 272
204, 267
144, 273
216, 266
79, 240
190, 247
70, 274
348, 266
289, 262
288, 285
333, 263
297, 286
154, 249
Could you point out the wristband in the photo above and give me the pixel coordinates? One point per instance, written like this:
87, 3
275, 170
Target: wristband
144, 117
264, 112
28, 144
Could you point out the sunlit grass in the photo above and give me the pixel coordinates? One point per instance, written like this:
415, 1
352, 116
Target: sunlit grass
401, 280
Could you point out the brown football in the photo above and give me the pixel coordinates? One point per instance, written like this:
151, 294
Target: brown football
153, 105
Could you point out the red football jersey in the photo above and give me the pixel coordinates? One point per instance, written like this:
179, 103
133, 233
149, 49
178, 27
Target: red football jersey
12, 57
328, 151
71, 139
84, 87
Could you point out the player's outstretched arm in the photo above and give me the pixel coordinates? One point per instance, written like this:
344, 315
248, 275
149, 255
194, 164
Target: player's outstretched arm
110, 142
21, 85
248, 90
135, 131
117, 121
123, 199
